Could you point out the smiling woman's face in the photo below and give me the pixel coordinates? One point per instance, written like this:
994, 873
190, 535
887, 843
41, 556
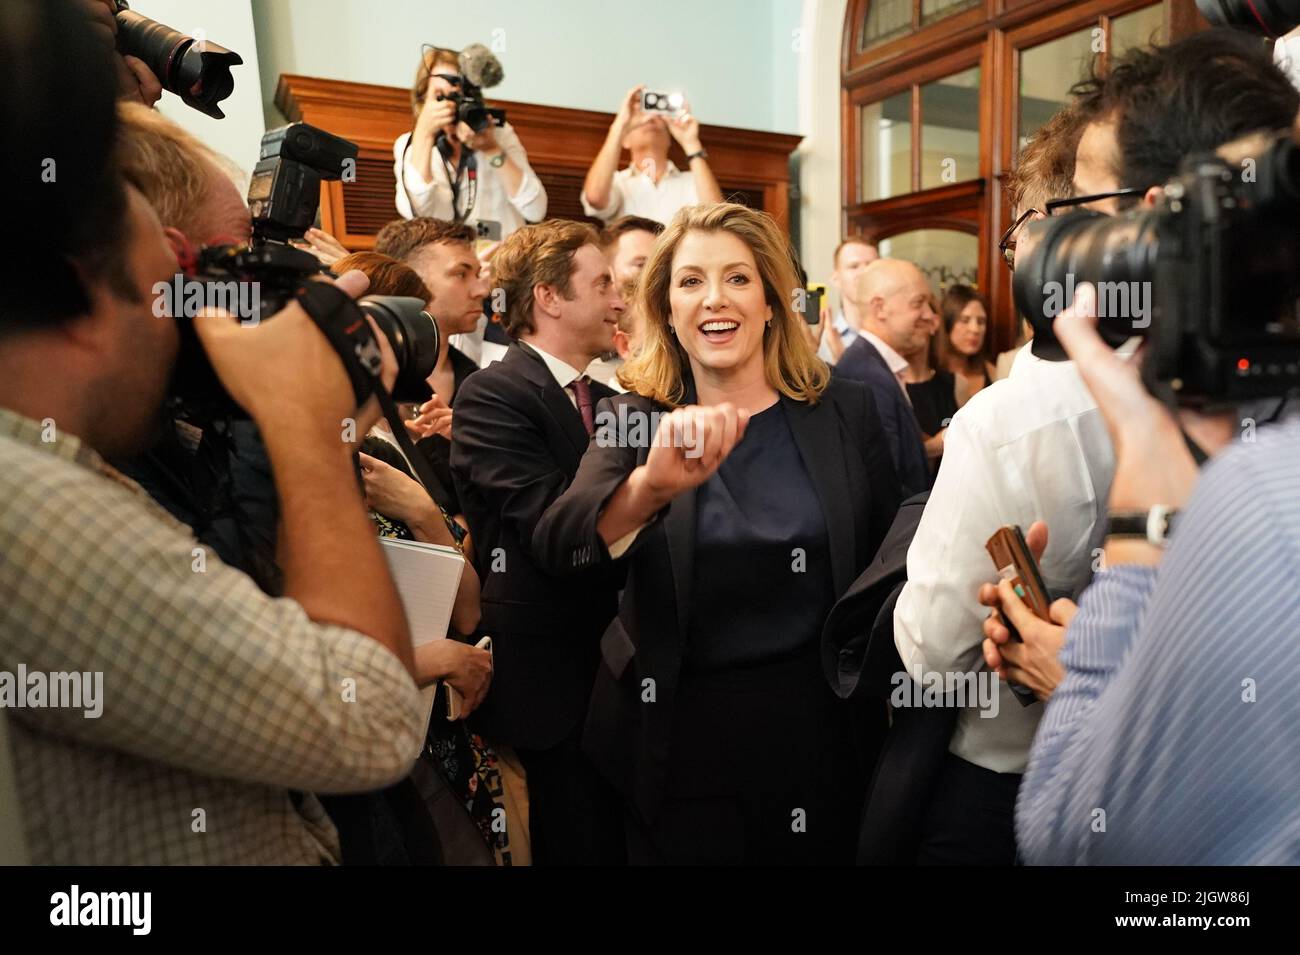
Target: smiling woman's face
719, 310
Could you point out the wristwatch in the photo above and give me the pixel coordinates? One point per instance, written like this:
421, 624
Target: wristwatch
698, 154
1153, 526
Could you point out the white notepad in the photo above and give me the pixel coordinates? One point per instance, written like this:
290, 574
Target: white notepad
427, 578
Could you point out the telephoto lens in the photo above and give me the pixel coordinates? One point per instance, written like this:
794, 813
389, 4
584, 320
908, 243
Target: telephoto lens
413, 335
253, 285
1113, 252
196, 70
1273, 18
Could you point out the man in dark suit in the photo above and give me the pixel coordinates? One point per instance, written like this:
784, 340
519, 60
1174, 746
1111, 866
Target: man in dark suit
894, 298
519, 431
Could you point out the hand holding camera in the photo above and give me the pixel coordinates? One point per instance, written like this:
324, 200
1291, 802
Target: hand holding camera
629, 112
685, 128
438, 112
1153, 465
284, 372
482, 141
135, 80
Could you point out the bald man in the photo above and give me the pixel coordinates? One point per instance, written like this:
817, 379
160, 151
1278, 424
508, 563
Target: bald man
894, 297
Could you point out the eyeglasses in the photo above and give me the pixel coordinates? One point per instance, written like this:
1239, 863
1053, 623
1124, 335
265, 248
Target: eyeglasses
1098, 197
1007, 244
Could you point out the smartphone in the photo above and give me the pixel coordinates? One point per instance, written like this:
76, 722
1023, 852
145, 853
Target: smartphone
455, 702
487, 230
653, 101
1015, 563
813, 297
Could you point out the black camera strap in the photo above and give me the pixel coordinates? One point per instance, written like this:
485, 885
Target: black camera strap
468, 163
344, 324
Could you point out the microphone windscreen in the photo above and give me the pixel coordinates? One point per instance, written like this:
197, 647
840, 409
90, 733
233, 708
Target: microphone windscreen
480, 66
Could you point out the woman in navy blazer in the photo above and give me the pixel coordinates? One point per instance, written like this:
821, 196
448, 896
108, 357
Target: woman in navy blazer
745, 491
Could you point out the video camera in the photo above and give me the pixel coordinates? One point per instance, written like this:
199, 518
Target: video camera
284, 197
196, 70
1210, 277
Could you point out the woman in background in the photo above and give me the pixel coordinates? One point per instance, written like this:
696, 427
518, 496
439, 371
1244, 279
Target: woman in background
932, 391
964, 344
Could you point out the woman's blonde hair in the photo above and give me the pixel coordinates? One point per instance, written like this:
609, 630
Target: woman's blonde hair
661, 369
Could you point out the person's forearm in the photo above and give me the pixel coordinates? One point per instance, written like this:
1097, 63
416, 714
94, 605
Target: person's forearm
329, 554
422, 140
633, 505
429, 527
600, 177
1132, 551
706, 184
512, 177
467, 609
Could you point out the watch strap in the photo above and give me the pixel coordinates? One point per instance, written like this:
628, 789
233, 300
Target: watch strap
1154, 525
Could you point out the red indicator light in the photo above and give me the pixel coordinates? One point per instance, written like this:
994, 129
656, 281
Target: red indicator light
1243, 364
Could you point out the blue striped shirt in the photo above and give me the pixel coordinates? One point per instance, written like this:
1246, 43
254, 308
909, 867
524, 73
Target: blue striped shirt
1172, 739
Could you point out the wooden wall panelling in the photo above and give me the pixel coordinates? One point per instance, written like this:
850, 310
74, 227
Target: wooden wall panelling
751, 166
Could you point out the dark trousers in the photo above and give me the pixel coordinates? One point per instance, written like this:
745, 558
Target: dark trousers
971, 817
762, 770
574, 816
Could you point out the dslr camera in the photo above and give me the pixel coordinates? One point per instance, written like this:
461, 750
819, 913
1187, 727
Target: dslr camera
284, 197
1209, 277
479, 68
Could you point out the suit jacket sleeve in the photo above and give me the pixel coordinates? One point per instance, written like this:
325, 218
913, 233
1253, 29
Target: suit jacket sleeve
502, 453
886, 490
566, 539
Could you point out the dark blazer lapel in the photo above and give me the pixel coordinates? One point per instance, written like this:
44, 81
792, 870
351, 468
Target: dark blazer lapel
817, 434
679, 529
529, 364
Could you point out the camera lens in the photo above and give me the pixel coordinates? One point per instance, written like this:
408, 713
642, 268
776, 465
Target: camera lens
198, 71
1117, 254
413, 335
474, 114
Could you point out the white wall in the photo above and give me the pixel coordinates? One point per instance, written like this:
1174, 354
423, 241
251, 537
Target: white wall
739, 60
230, 24
576, 53
819, 122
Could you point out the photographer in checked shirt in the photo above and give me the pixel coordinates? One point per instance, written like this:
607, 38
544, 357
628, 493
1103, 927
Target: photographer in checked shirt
217, 699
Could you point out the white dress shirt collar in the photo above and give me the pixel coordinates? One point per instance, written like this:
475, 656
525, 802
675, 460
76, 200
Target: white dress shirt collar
896, 362
670, 172
563, 373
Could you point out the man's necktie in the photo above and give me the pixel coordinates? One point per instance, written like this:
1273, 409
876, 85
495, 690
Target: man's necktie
582, 391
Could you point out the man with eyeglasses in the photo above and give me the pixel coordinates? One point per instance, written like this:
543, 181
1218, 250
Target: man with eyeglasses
1033, 449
